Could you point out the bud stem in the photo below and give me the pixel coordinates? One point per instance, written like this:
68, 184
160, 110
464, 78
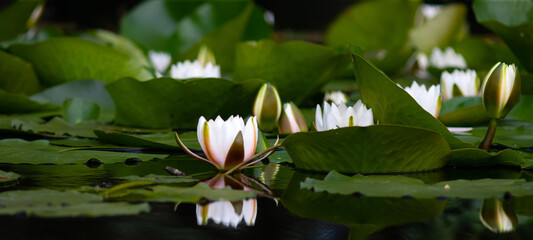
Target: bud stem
490, 134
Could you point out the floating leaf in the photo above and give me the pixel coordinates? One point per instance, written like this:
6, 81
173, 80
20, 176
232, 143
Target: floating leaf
513, 22
478, 157
51, 203
481, 53
119, 43
402, 186
181, 194
297, 69
392, 105
160, 179
90, 90
67, 59
373, 149
18, 151
17, 75
8, 178
21, 16
166, 102
77, 110
522, 110
16, 103
154, 140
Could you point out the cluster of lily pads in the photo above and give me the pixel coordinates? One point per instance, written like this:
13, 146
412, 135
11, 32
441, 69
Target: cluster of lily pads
385, 94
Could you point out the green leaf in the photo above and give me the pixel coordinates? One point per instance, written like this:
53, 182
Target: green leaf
296, 69
463, 111
159, 179
483, 52
166, 102
441, 30
17, 151
401, 186
181, 27
351, 210
17, 103
17, 75
509, 133
77, 110
8, 179
522, 110
51, 203
119, 43
90, 90
392, 105
513, 22
374, 149
478, 157
21, 16
156, 140
380, 28
67, 59
180, 194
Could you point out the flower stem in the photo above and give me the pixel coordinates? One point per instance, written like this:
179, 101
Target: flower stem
490, 134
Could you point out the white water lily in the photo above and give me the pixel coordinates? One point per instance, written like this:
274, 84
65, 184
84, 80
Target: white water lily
429, 100
442, 59
230, 144
188, 69
459, 83
430, 11
160, 61
228, 213
338, 116
292, 120
336, 97
501, 90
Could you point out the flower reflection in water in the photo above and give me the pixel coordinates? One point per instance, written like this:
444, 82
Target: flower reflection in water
497, 216
230, 213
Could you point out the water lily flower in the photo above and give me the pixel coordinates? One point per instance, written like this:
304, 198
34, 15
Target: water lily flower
267, 107
203, 67
501, 90
338, 116
228, 213
229, 145
336, 97
160, 61
459, 83
430, 11
442, 59
292, 120
496, 217
429, 100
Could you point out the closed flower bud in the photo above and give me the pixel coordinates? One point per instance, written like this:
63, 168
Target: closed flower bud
292, 120
501, 90
497, 217
205, 55
267, 107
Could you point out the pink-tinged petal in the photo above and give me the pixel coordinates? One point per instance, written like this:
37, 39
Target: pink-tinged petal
250, 137
209, 147
200, 132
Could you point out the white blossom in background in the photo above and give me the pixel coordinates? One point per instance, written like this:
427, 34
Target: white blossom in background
428, 99
188, 69
430, 11
338, 116
465, 81
441, 59
269, 17
336, 97
160, 61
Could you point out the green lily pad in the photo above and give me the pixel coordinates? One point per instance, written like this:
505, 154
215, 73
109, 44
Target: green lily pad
402, 186
17, 75
90, 90
16, 151
463, 117
370, 213
166, 102
392, 105
77, 110
179, 194
51, 203
119, 43
297, 69
159, 179
181, 27
513, 22
478, 157
8, 178
440, 30
373, 149
153, 140
522, 110
17, 103
20, 16
67, 59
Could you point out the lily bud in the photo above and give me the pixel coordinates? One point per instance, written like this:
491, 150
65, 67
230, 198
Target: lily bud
496, 217
292, 120
501, 90
205, 55
267, 107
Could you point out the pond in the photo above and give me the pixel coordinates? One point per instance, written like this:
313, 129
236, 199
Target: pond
178, 119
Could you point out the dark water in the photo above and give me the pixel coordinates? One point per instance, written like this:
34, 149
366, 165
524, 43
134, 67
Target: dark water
459, 219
